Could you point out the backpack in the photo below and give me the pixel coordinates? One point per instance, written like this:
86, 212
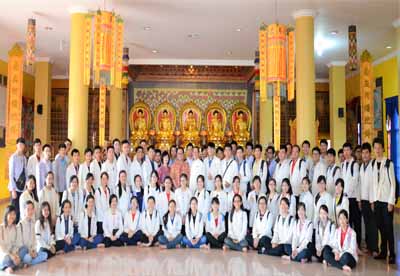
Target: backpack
387, 166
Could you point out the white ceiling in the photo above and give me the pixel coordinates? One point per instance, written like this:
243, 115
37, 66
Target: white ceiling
215, 21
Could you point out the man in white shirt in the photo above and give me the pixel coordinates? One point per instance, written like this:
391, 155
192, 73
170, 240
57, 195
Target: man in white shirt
73, 167
306, 147
249, 154
350, 175
189, 154
384, 181
367, 199
151, 154
282, 168
333, 172
297, 169
34, 159
213, 167
140, 166
260, 167
124, 161
84, 168
318, 169
110, 167
323, 145
244, 171
197, 168
43, 167
117, 148
228, 168
95, 166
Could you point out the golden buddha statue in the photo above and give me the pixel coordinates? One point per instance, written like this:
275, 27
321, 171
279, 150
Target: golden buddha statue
165, 130
190, 129
140, 131
216, 131
241, 128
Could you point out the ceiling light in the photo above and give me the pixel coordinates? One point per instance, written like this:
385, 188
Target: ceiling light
193, 35
147, 28
154, 51
388, 47
48, 28
334, 32
238, 29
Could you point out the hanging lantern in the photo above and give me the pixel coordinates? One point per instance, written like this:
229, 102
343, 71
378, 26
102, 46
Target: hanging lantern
30, 42
263, 62
291, 66
257, 71
106, 46
353, 63
125, 66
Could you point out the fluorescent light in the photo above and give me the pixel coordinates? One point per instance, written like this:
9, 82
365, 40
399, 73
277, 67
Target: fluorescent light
193, 35
238, 29
154, 51
147, 28
388, 47
334, 32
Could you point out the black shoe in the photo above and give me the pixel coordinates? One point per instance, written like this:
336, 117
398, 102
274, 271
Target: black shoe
380, 257
392, 260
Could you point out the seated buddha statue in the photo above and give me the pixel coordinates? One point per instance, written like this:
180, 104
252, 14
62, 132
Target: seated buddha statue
241, 128
216, 132
165, 126
190, 130
140, 127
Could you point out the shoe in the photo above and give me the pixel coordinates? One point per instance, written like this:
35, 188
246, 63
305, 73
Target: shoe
392, 259
380, 257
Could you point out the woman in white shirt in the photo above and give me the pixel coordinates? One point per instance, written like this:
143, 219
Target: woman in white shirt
66, 239
112, 224
281, 243
261, 236
132, 232
324, 232
344, 253
236, 190
182, 197
102, 200
150, 223
138, 191
322, 198
153, 189
10, 241
29, 194
88, 188
88, 226
252, 199
215, 225
48, 194
75, 196
203, 196
165, 196
272, 198
194, 227
221, 195
287, 192
340, 202
302, 237
237, 226
43, 230
122, 191
172, 226
307, 198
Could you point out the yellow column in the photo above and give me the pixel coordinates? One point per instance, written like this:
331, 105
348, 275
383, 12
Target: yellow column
41, 123
305, 76
266, 124
337, 99
78, 92
116, 113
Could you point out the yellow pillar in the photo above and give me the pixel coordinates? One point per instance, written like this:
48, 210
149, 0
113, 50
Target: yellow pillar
337, 99
78, 92
41, 122
266, 124
305, 76
116, 113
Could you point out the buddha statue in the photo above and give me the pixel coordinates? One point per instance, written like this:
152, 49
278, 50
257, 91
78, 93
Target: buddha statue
216, 132
140, 130
241, 128
165, 126
190, 130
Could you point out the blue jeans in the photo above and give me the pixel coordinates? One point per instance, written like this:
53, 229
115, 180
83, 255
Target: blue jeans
132, 240
280, 250
188, 243
27, 258
90, 245
236, 246
62, 245
170, 244
8, 262
303, 254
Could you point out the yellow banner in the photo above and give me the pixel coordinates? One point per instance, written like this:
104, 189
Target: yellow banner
119, 45
262, 37
112, 49
277, 115
87, 49
367, 98
14, 94
291, 66
102, 114
97, 46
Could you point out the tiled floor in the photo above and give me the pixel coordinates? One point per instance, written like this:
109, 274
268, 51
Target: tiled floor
153, 261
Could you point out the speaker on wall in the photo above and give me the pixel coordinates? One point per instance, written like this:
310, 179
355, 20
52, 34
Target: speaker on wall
39, 109
340, 112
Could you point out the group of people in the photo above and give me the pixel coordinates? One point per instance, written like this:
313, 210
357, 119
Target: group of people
297, 203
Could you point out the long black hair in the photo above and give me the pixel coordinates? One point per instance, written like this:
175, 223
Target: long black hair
49, 172
233, 206
42, 219
190, 209
65, 202
119, 185
134, 181
340, 182
172, 182
165, 217
271, 179
9, 210
111, 198
34, 191
287, 181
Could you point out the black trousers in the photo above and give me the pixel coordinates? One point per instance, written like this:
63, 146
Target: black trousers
384, 219
15, 202
108, 242
371, 229
264, 242
346, 259
100, 230
355, 218
145, 239
60, 197
215, 243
